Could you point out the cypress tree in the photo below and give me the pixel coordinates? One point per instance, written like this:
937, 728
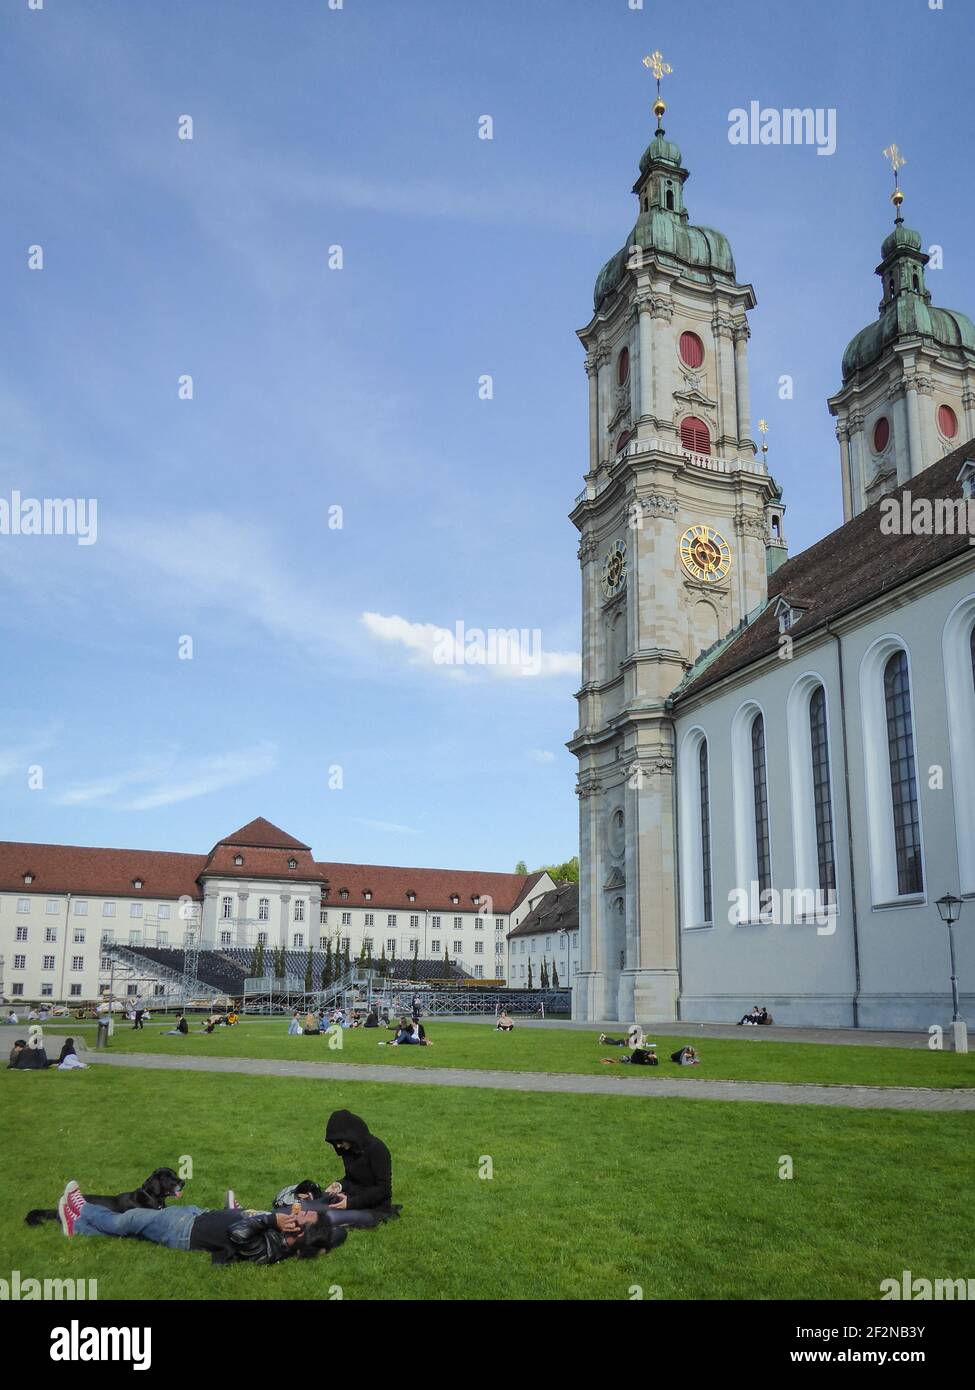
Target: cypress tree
309, 970
383, 964
530, 986
555, 975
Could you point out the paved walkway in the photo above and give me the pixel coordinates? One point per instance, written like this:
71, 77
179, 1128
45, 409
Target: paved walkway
850, 1097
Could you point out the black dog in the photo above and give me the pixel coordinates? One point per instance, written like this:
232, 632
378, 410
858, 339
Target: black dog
153, 1194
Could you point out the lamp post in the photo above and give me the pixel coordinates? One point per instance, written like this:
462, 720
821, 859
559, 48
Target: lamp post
949, 910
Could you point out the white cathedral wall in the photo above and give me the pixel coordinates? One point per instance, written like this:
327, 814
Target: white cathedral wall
805, 973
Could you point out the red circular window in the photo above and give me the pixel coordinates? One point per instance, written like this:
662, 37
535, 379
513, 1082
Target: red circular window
881, 435
623, 366
947, 421
694, 435
691, 350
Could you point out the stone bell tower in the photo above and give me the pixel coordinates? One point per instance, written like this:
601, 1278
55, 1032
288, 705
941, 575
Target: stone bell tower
678, 521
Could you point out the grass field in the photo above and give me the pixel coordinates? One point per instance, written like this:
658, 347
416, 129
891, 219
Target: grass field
754, 1058
590, 1195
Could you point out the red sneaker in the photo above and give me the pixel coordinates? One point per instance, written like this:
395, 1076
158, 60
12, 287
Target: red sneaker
70, 1207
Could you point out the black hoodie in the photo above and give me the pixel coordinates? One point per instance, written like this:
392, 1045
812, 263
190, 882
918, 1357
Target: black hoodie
368, 1180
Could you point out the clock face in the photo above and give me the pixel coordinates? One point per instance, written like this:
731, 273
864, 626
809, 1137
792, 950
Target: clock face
705, 554
614, 569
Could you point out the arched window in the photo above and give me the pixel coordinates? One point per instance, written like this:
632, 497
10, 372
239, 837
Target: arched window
706, 822
623, 440
917, 285
670, 200
694, 839
760, 784
691, 350
623, 366
947, 421
903, 782
822, 797
881, 435
694, 436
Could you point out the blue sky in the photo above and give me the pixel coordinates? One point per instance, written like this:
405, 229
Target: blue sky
357, 388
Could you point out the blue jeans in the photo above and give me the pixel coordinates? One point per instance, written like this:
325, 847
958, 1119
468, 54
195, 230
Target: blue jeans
170, 1227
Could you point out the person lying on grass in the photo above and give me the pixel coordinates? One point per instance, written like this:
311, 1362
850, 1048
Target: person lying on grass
640, 1057
260, 1237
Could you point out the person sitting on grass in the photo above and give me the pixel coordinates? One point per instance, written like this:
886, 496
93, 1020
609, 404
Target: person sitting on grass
294, 1027
68, 1059
24, 1058
367, 1183
505, 1022
752, 1017
262, 1237
372, 1019
311, 1024
686, 1057
179, 1029
411, 1033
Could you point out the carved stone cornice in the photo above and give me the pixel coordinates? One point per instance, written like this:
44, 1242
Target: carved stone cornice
652, 767
602, 355
741, 333
854, 421
588, 549
644, 302
662, 309
968, 399
659, 505
589, 788
591, 365
842, 433
920, 383
895, 390
749, 523
723, 326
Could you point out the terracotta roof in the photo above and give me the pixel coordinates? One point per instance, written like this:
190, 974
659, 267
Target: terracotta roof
103, 872
390, 885
845, 570
557, 911
261, 834
262, 863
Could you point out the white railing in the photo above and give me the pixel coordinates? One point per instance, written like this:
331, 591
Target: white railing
711, 462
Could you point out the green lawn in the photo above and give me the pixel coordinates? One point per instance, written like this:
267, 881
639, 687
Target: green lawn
753, 1058
590, 1195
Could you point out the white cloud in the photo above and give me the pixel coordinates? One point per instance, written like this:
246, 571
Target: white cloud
17, 757
168, 779
390, 827
541, 755
464, 652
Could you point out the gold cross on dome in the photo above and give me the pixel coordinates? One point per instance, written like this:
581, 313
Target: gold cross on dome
655, 62
897, 160
763, 426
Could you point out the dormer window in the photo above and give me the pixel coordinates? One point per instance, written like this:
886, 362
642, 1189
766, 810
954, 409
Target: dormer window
368, 894
137, 883
454, 898
292, 863
238, 859
343, 893
788, 613
28, 878
411, 896
967, 479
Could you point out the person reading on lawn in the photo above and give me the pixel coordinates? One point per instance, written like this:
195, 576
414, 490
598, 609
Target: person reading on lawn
367, 1184
505, 1022
262, 1237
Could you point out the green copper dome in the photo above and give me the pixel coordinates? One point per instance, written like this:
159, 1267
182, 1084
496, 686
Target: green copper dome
906, 310
660, 151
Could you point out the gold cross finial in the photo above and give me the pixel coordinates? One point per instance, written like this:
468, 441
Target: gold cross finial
655, 62
763, 426
897, 161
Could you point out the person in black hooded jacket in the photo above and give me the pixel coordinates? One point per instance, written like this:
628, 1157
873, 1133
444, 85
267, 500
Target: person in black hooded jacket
368, 1181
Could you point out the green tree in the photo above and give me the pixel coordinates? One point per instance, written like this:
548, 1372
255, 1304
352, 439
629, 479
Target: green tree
446, 963
555, 975
347, 961
257, 961
327, 967
383, 964
529, 985
278, 962
521, 867
543, 977
361, 962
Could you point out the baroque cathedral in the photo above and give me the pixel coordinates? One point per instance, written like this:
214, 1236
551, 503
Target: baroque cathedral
776, 755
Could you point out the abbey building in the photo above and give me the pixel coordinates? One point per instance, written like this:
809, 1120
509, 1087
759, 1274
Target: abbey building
776, 756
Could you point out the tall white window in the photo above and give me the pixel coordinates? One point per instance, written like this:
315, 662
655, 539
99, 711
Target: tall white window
298, 939
958, 645
263, 909
299, 909
80, 907
695, 831
21, 934
135, 909
50, 933
227, 909
811, 783
48, 963
346, 919
435, 923
226, 938
893, 806
162, 912
108, 909
753, 848
23, 904
77, 962
458, 947
391, 919
52, 907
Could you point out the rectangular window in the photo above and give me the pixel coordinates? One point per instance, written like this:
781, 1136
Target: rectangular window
162, 938
228, 908
705, 797
106, 962
414, 945
391, 946
264, 909
262, 938
900, 751
458, 947
367, 943
499, 948
298, 939
435, 923
499, 924
435, 947
822, 799
391, 919
458, 923
50, 933
370, 919
414, 922
53, 907
135, 909
108, 909
48, 963
17, 989
108, 936
162, 912
300, 910
80, 907
323, 917
23, 904
158, 990
47, 990
77, 962
75, 991
478, 948
21, 933
479, 972
79, 936
478, 923
226, 938
346, 919
132, 991
346, 943
760, 791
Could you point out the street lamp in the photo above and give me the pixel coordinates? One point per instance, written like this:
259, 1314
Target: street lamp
949, 909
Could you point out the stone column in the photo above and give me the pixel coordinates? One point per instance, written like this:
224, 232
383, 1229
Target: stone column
651, 986
843, 439
725, 371
857, 462
585, 992
644, 306
604, 393
592, 374
900, 430
663, 376
285, 922
743, 405
968, 404
588, 555
915, 459
241, 923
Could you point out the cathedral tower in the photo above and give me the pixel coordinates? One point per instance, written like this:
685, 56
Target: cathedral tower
679, 521
908, 393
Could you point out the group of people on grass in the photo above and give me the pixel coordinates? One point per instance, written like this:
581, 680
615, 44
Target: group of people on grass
644, 1053
304, 1219
23, 1057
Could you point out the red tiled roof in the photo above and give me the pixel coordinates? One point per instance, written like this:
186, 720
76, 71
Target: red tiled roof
103, 872
262, 863
433, 888
261, 834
